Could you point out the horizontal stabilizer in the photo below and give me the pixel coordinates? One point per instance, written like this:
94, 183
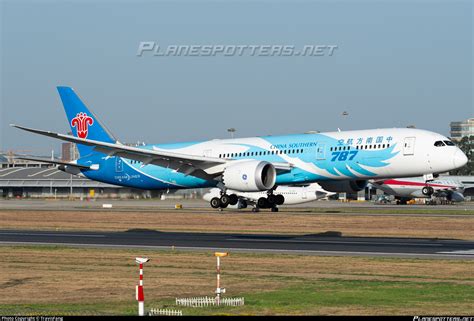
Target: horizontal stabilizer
52, 161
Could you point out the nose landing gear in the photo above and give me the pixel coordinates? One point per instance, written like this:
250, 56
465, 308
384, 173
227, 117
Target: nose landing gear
427, 190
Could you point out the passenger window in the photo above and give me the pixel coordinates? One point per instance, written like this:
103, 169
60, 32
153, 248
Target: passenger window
439, 143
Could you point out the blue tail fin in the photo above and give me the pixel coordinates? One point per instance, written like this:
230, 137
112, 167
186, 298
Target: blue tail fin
83, 122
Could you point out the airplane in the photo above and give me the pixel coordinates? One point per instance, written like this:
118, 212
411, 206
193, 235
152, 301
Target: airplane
341, 161
289, 195
415, 187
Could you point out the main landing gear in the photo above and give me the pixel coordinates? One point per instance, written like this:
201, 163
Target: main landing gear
224, 201
271, 201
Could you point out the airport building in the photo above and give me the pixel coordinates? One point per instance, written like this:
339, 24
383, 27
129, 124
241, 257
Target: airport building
460, 129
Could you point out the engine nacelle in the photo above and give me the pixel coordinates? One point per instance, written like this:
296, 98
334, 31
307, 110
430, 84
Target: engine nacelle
344, 186
250, 176
454, 196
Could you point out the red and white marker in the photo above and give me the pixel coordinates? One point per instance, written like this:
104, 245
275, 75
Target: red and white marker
139, 289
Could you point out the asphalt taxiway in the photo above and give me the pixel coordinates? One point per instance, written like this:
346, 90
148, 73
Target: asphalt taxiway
330, 243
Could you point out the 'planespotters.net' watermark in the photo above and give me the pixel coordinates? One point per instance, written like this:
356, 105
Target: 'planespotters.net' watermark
152, 48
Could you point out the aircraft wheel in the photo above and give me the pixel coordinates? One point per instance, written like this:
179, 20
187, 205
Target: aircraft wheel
271, 199
279, 199
233, 199
225, 199
243, 204
215, 202
262, 202
427, 190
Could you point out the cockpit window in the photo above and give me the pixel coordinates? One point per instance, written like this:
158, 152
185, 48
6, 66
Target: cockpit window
449, 143
439, 143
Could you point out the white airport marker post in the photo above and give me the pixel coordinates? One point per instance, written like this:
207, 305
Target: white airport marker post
219, 291
139, 289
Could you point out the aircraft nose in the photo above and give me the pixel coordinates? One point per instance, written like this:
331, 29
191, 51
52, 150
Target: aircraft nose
459, 159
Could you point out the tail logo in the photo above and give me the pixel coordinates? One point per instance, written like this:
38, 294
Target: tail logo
82, 123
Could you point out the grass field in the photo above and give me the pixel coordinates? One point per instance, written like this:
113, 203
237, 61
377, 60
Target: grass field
59, 280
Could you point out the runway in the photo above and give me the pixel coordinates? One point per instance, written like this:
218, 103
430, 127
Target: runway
329, 243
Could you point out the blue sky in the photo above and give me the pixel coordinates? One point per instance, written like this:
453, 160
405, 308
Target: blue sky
398, 63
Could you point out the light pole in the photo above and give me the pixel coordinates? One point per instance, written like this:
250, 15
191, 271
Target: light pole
231, 131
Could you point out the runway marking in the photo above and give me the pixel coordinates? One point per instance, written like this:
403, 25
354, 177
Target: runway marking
471, 252
333, 242
51, 234
161, 247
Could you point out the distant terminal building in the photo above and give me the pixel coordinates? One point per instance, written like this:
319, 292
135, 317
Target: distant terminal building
9, 161
460, 129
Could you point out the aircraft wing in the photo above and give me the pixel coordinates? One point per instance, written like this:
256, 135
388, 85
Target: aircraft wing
200, 166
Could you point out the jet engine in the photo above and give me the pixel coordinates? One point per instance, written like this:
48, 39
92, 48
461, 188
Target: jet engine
454, 196
344, 186
249, 176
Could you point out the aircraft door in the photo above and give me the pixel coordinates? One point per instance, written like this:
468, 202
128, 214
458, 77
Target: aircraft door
118, 164
207, 153
320, 152
409, 146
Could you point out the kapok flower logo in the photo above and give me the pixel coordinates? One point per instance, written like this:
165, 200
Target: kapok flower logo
82, 123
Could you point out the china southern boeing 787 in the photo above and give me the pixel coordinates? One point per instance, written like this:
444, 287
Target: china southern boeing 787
338, 161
